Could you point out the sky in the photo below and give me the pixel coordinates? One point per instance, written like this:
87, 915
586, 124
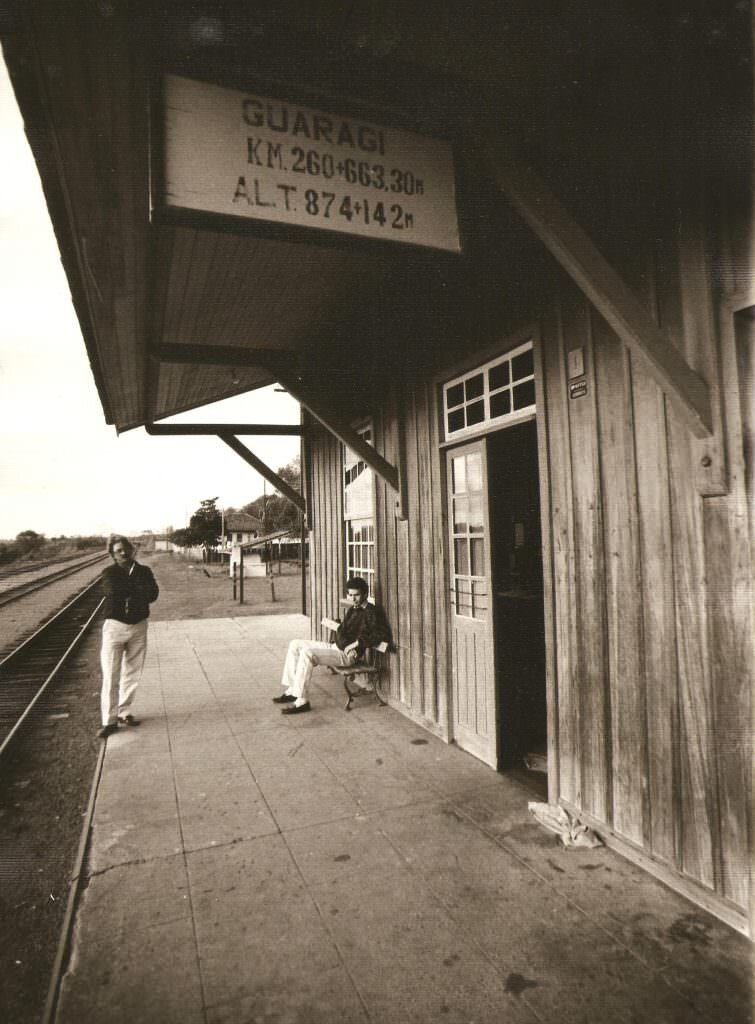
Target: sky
63, 470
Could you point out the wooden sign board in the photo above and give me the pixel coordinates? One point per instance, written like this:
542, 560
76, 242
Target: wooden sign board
243, 155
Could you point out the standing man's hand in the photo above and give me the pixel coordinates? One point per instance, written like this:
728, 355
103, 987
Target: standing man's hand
351, 651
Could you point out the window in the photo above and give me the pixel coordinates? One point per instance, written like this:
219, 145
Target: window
359, 514
469, 588
501, 391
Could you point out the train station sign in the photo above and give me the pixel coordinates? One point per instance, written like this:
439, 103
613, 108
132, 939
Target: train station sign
243, 155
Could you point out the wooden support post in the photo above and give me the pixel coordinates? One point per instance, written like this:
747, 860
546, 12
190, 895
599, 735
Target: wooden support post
302, 553
241, 575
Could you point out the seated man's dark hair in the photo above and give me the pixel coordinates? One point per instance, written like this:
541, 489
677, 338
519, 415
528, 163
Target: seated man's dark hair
357, 583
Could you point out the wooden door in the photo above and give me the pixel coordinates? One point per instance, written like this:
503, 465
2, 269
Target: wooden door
473, 658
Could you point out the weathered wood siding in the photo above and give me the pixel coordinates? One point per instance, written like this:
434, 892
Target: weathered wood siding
647, 538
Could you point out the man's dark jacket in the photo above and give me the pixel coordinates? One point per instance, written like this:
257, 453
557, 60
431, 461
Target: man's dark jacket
128, 597
366, 624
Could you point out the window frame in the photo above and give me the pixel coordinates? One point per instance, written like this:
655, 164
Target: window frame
367, 547
483, 370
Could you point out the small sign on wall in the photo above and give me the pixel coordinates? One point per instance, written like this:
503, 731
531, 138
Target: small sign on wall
243, 155
578, 388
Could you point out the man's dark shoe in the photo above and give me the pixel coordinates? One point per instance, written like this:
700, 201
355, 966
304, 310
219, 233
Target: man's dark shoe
296, 710
128, 720
107, 730
285, 698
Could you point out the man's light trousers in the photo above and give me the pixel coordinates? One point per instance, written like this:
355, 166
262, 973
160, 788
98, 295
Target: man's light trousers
124, 649
301, 658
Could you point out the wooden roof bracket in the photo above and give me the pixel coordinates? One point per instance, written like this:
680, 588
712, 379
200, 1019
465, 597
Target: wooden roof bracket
226, 433
348, 436
602, 285
264, 470
287, 374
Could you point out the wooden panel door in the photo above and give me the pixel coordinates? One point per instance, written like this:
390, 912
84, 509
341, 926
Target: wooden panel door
473, 669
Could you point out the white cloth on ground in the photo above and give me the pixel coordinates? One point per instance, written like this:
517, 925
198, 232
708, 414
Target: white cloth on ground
568, 828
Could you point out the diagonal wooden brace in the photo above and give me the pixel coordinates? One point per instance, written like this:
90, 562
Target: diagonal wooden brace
264, 470
586, 265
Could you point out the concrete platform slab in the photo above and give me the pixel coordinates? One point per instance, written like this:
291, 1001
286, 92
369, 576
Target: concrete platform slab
247, 866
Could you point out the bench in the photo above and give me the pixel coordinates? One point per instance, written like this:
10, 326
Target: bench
370, 665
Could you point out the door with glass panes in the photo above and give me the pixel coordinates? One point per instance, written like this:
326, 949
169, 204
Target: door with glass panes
473, 649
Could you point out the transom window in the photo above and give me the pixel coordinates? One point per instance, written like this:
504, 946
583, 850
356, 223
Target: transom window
359, 514
502, 390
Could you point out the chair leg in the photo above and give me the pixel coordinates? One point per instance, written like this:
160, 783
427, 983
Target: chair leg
347, 705
378, 698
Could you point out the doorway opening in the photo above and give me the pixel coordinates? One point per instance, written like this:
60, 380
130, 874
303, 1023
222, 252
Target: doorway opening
517, 588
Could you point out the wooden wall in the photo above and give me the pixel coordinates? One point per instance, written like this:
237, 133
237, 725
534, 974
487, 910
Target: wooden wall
647, 538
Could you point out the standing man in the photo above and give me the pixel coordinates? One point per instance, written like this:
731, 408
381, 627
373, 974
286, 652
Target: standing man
364, 626
129, 590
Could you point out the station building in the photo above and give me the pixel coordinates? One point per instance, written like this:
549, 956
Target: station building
502, 256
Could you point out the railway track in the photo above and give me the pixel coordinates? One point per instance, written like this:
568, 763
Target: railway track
28, 673
29, 586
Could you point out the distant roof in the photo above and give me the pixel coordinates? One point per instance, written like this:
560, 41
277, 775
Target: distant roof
241, 522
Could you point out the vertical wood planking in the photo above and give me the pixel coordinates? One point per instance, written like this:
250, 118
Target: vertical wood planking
698, 801
404, 565
590, 573
622, 584
547, 335
657, 604
562, 532
729, 570
414, 567
442, 630
426, 553
698, 804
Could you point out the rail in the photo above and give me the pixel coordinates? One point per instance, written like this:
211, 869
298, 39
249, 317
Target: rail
28, 670
22, 589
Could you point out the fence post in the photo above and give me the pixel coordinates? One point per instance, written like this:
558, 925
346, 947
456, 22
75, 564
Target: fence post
241, 575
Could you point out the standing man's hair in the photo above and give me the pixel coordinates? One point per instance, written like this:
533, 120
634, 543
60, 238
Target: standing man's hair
357, 583
118, 539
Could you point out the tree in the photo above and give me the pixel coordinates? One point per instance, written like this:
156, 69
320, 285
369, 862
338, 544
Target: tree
274, 510
28, 540
206, 523
185, 538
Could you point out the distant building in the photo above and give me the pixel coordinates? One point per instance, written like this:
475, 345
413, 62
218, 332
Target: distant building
239, 528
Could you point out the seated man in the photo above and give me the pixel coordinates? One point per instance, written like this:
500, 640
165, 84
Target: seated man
364, 626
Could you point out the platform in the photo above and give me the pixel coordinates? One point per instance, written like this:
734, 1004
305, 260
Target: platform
247, 866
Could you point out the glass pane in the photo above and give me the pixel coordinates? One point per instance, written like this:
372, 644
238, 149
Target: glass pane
474, 471
522, 365
473, 387
461, 514
461, 557
456, 421
454, 396
500, 404
479, 600
524, 395
474, 515
475, 413
477, 549
459, 474
498, 376
463, 598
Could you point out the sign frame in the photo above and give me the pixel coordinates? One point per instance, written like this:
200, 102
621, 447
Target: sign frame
165, 211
